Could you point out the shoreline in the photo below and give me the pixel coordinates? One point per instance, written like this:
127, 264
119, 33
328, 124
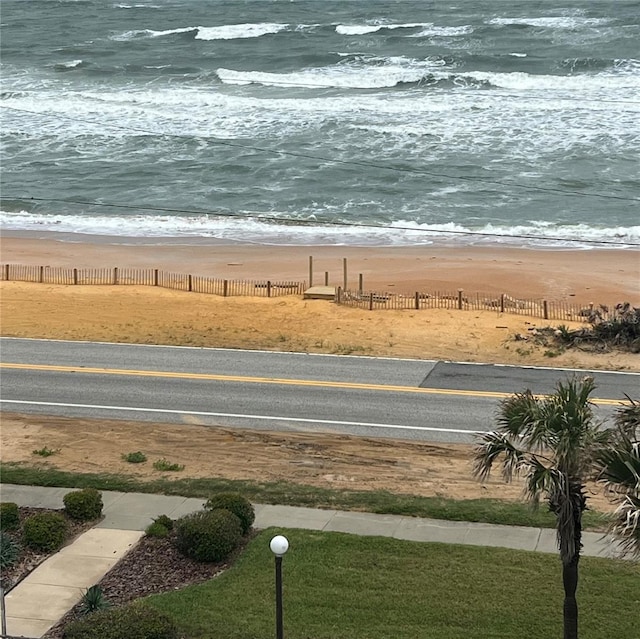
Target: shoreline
601, 276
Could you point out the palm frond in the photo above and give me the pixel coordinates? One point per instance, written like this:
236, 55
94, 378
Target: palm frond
493, 447
626, 526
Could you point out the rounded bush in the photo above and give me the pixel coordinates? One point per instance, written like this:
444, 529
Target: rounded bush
83, 505
237, 504
135, 620
208, 535
164, 520
44, 531
9, 515
156, 529
9, 550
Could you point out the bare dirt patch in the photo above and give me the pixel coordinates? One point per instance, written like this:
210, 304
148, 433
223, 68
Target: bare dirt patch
325, 460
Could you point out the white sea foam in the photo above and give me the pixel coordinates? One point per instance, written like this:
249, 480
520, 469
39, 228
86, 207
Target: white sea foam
150, 33
346, 76
251, 228
237, 31
442, 32
72, 64
363, 29
553, 22
518, 55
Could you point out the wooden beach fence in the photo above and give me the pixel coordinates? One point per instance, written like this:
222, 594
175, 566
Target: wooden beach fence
150, 277
359, 298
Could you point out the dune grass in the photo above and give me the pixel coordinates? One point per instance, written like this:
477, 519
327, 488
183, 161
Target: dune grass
339, 586
491, 511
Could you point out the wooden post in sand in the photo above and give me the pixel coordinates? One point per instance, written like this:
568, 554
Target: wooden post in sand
115, 275
310, 271
370, 301
75, 275
6, 272
338, 295
190, 283
545, 309
268, 288
417, 301
326, 278
502, 302
459, 299
155, 277
359, 283
344, 273
225, 288
41, 277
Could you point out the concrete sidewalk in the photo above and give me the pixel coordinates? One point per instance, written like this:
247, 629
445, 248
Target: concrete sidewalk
55, 586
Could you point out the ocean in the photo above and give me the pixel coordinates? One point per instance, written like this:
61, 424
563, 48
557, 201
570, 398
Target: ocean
308, 122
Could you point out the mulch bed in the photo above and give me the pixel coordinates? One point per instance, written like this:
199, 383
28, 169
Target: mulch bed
153, 566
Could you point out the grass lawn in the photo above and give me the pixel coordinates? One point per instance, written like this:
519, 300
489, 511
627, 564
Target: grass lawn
342, 586
490, 511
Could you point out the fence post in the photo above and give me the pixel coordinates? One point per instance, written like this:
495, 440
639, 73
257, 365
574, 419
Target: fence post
370, 301
6, 272
417, 303
545, 309
41, 274
310, 271
344, 273
75, 275
155, 277
360, 284
460, 299
190, 283
115, 275
268, 288
502, 302
338, 295
326, 278
225, 288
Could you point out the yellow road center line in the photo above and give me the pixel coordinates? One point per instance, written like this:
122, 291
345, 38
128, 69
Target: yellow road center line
272, 380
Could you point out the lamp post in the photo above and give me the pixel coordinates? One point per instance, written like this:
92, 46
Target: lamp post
279, 546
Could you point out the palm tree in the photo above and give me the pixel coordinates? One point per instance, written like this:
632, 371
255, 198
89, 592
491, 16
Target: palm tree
618, 468
551, 442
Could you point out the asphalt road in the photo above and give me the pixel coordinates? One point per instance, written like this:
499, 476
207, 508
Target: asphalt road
412, 399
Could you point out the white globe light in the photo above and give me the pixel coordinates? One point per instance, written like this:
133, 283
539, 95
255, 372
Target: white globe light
279, 545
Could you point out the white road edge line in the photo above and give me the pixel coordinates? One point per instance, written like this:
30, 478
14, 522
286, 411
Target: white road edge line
242, 416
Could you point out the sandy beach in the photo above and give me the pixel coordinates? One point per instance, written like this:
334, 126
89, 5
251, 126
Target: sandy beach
599, 276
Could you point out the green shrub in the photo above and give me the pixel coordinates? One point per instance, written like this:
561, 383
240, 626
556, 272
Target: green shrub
156, 529
44, 531
165, 521
83, 505
135, 458
93, 600
134, 621
237, 504
165, 465
9, 515
208, 535
45, 452
9, 550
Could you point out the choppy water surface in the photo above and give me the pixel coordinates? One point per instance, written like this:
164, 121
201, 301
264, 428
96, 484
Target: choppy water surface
511, 118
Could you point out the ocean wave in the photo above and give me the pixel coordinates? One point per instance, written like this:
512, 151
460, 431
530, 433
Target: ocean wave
136, 6
336, 76
283, 231
442, 32
150, 33
238, 31
68, 66
552, 22
363, 29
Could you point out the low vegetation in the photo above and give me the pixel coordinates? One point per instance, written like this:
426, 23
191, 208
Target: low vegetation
491, 511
